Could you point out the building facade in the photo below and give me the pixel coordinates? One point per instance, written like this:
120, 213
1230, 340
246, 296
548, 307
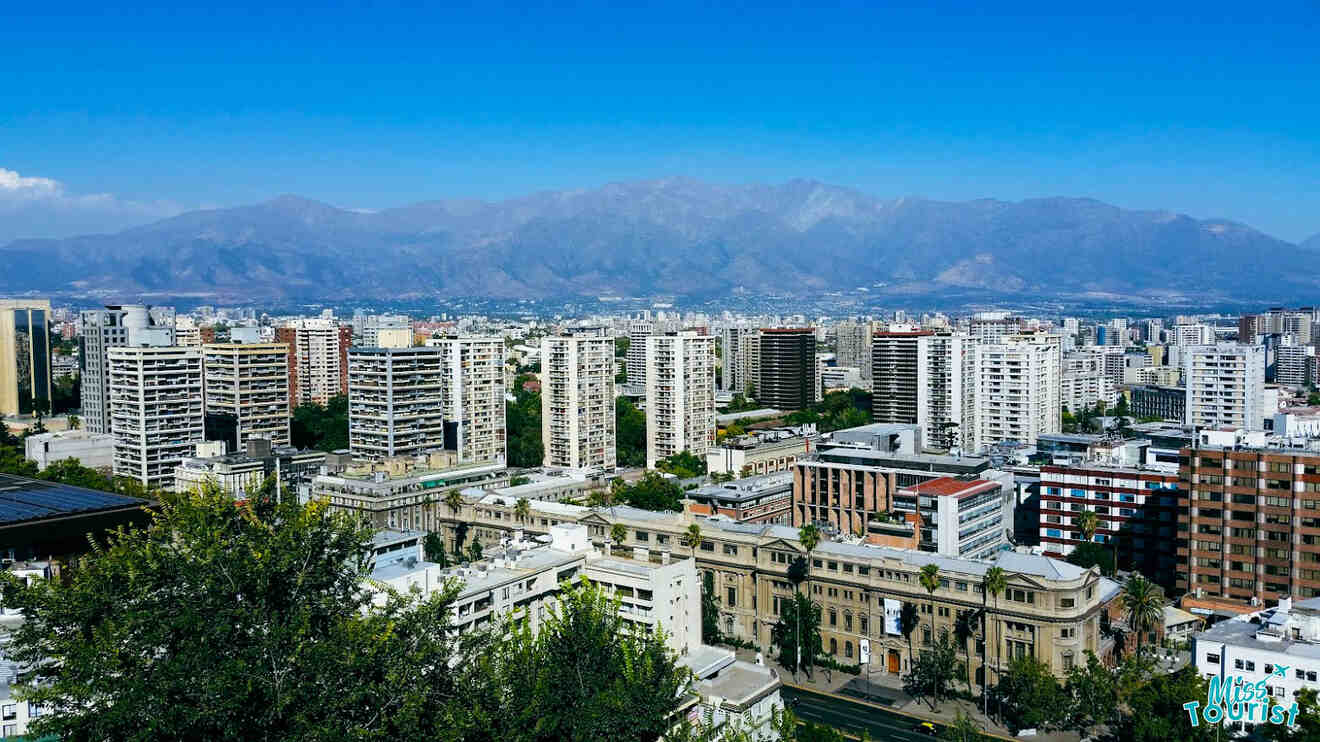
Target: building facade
25, 326
318, 359
247, 391
156, 410
1224, 385
473, 392
788, 371
1136, 511
577, 401
917, 378
1161, 402
680, 395
1015, 387
395, 402
1051, 609
1252, 518
103, 329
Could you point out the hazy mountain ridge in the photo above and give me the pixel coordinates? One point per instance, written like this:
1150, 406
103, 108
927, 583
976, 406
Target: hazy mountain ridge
674, 236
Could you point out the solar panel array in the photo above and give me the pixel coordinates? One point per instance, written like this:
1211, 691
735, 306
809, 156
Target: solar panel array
23, 499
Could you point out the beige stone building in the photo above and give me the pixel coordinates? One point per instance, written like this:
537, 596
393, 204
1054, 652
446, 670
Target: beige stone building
1051, 609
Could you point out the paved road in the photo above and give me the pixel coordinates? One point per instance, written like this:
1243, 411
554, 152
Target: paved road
851, 718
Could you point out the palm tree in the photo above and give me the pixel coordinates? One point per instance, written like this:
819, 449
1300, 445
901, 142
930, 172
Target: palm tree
1143, 604
993, 583
523, 509
930, 579
965, 628
907, 623
809, 537
618, 532
1087, 522
692, 538
454, 501
75, 422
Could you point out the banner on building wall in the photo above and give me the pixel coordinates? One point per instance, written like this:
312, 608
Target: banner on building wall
893, 612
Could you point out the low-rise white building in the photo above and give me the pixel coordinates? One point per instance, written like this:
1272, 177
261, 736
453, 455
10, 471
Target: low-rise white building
93, 450
1280, 645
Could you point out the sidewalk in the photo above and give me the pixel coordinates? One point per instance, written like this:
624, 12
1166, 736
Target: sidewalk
885, 689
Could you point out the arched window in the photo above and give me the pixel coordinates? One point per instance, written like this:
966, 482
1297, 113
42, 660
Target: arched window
847, 650
834, 646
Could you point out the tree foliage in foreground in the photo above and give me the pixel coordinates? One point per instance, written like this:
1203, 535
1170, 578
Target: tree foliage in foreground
219, 621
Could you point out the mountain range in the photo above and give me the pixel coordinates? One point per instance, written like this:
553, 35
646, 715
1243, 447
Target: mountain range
676, 237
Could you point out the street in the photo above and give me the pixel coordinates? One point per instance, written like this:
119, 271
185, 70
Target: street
851, 717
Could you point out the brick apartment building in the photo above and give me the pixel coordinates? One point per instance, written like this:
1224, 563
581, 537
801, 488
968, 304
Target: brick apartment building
1250, 521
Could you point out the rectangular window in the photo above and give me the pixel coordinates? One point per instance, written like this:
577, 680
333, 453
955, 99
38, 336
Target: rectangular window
732, 598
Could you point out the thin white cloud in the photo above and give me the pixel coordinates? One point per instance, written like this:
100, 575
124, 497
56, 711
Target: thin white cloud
34, 206
13, 184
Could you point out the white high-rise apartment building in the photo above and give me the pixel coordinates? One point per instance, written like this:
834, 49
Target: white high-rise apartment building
156, 410
638, 331
395, 402
473, 393
318, 359
1016, 390
1225, 384
680, 395
740, 356
1084, 381
577, 400
917, 378
103, 329
990, 327
247, 385
1192, 334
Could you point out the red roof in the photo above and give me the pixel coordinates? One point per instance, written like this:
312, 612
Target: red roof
950, 486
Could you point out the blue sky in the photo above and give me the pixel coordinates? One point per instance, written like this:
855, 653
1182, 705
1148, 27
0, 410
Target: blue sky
112, 115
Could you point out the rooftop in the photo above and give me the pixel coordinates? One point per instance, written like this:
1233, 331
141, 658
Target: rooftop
949, 486
23, 500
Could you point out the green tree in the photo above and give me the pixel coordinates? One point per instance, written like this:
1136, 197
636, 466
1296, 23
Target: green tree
909, 618
434, 546
1155, 712
629, 434
1089, 555
691, 538
519, 480
797, 634
652, 492
522, 510
225, 622
1087, 521
683, 465
964, 629
994, 583
929, 578
522, 418
963, 729
710, 610
588, 674
454, 500
1305, 728
72, 472
1092, 696
618, 533
323, 428
1029, 695
934, 670
1143, 606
